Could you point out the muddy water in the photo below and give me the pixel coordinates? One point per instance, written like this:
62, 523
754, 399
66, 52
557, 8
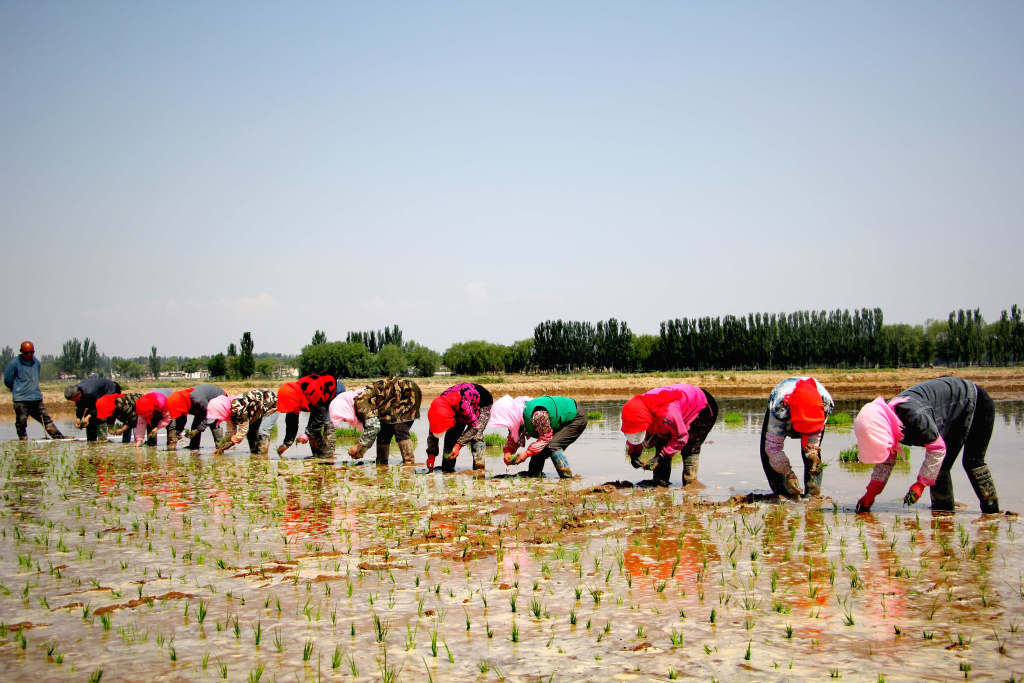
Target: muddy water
148, 564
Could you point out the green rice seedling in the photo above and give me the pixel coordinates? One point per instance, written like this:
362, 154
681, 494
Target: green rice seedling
172, 653
711, 619
433, 642
833, 673
483, 666
840, 418
488, 629
789, 632
336, 657
595, 415
965, 667
307, 650
256, 674
732, 418
105, 620
848, 618
381, 629
746, 655
202, 611
535, 607
493, 440
451, 658
257, 633
676, 637
95, 676
204, 662
515, 631
512, 598
278, 641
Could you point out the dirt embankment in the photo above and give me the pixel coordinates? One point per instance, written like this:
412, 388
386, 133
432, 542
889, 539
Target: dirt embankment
842, 384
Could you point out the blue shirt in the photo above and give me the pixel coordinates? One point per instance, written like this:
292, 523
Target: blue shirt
23, 379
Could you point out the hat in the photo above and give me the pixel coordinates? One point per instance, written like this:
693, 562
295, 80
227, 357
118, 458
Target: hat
440, 416
71, 391
179, 402
27, 347
343, 409
290, 398
878, 430
636, 416
806, 409
105, 406
219, 408
145, 406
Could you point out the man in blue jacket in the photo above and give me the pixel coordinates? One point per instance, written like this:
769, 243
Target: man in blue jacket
22, 377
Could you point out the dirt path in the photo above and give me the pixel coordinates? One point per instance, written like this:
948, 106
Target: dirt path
1000, 382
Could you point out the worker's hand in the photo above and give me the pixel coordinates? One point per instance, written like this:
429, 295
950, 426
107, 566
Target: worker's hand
455, 450
85, 420
916, 489
191, 434
864, 504
281, 449
431, 457
152, 433
355, 451
302, 438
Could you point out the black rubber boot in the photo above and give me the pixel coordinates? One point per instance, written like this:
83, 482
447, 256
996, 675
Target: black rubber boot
383, 452
942, 493
406, 448
985, 488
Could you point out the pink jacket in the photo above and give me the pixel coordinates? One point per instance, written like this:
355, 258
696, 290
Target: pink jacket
142, 427
674, 417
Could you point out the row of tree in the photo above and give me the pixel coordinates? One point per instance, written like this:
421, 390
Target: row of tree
800, 339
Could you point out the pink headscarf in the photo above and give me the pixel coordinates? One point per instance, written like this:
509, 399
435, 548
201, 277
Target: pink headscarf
507, 413
343, 409
878, 429
219, 408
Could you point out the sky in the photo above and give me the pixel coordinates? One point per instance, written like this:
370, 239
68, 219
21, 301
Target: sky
177, 173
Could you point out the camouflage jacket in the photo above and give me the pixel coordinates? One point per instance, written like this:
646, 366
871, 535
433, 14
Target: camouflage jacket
124, 409
254, 404
392, 400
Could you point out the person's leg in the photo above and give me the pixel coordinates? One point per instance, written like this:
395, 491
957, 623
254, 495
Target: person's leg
193, 441
217, 432
92, 428
663, 470
21, 411
812, 467
562, 439
151, 427
405, 443
384, 443
975, 449
776, 480
699, 430
535, 466
450, 437
941, 491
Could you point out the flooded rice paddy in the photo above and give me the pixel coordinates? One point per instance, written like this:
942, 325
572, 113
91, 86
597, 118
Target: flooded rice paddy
126, 564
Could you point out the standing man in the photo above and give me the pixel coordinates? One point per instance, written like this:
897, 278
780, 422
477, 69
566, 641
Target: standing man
22, 377
84, 395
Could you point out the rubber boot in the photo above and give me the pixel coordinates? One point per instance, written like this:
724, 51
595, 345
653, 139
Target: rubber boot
942, 492
561, 464
383, 451
406, 448
690, 464
985, 488
812, 471
448, 463
261, 445
478, 455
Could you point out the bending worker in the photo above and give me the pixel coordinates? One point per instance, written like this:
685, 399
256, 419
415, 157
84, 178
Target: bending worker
671, 419
798, 407
312, 393
555, 422
384, 410
944, 415
460, 413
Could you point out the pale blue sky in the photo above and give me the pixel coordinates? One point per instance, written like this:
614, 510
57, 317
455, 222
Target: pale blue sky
176, 173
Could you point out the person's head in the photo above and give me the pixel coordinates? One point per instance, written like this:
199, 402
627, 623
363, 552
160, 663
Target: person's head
806, 409
72, 393
290, 398
878, 432
440, 416
28, 350
179, 403
219, 409
105, 406
145, 406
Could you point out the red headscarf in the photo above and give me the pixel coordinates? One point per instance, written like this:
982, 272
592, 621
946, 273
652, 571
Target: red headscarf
806, 410
179, 402
319, 390
105, 406
290, 398
636, 415
145, 406
441, 414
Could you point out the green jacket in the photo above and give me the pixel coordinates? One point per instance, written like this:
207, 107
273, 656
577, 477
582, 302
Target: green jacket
561, 411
